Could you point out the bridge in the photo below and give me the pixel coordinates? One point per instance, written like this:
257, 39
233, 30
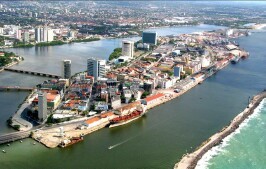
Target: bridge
15, 88
33, 73
6, 138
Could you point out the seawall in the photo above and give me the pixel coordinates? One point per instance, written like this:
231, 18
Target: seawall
190, 161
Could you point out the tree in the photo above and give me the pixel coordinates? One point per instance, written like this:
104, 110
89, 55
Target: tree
145, 94
116, 53
17, 127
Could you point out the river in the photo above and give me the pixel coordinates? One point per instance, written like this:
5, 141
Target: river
157, 140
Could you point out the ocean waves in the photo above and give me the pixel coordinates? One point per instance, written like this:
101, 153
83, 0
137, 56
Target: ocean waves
223, 154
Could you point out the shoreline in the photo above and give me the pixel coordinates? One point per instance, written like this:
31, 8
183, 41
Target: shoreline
190, 161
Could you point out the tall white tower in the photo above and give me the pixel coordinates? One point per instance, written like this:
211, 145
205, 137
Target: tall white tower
128, 48
96, 68
42, 106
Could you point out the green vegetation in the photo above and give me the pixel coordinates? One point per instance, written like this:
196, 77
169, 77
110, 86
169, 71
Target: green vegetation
85, 40
116, 53
9, 121
170, 73
22, 45
149, 59
31, 133
132, 100
183, 76
6, 59
17, 127
49, 119
145, 94
121, 65
53, 43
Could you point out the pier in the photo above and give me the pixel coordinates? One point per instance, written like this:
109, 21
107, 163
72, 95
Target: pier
32, 73
14, 136
15, 88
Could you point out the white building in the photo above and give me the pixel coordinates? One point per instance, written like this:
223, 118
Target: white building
66, 69
42, 106
1, 31
18, 34
44, 34
50, 35
96, 68
128, 48
26, 37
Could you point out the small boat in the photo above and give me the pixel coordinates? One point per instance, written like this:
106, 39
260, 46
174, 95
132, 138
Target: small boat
20, 141
8, 144
34, 143
4, 151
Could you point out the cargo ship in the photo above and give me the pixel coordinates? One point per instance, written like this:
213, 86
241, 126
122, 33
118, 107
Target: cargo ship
121, 120
69, 142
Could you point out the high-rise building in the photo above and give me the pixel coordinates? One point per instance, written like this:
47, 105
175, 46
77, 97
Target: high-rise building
178, 70
42, 106
18, 34
50, 35
45, 30
38, 34
149, 37
128, 48
26, 37
66, 69
96, 68
44, 34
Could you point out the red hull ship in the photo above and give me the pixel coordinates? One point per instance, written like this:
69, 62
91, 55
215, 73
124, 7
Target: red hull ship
121, 120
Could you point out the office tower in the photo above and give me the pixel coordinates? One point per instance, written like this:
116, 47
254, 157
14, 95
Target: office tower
128, 48
96, 68
149, 37
38, 34
42, 106
66, 69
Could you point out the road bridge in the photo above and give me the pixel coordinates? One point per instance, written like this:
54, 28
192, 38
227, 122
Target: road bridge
15, 88
33, 73
6, 138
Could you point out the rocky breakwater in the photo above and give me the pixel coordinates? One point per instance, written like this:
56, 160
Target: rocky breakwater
189, 161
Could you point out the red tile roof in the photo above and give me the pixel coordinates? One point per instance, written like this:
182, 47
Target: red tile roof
153, 97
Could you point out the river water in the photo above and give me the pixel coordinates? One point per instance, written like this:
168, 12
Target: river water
157, 140
245, 148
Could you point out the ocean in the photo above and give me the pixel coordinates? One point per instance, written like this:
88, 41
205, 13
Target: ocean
243, 149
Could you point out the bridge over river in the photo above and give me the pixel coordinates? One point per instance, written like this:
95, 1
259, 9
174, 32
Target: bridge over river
15, 88
6, 138
33, 73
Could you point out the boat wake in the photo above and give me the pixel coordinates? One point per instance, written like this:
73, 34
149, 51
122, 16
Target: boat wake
204, 162
118, 144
